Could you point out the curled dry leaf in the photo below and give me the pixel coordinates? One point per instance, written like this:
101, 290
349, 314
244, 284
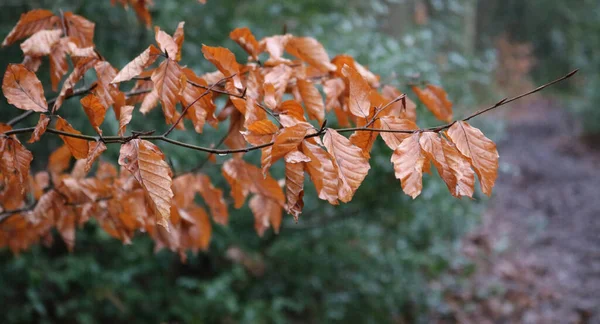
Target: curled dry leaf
124, 119
23, 89
135, 67
279, 77
322, 171
245, 38
266, 212
146, 163
167, 44
78, 147
310, 51
480, 151
398, 108
41, 43
461, 168
58, 62
96, 149
14, 159
40, 128
313, 101
431, 144
213, 197
202, 107
392, 140
408, 161
352, 166
294, 182
436, 100
30, 23
166, 79
95, 110
59, 160
80, 29
225, 62
359, 103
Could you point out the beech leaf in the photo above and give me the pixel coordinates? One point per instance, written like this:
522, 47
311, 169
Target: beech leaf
23, 89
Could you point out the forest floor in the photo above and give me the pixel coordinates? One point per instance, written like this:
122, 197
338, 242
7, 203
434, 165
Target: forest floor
537, 250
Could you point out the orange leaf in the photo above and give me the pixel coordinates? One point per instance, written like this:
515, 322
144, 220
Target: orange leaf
260, 132
288, 139
359, 103
436, 100
96, 149
279, 77
167, 84
213, 197
58, 62
23, 89
244, 38
59, 160
333, 89
253, 112
14, 159
398, 124
310, 51
82, 65
313, 101
270, 100
135, 67
235, 139
225, 62
340, 60
178, 37
275, 45
365, 139
266, 212
461, 168
30, 23
95, 110
294, 182
41, 43
408, 161
167, 44
290, 113
79, 28
125, 118
40, 128
432, 147
480, 151
202, 109
199, 232
78, 147
352, 165
146, 163
322, 171
397, 109
244, 178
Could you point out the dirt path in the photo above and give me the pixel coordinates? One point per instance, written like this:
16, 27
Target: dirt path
538, 249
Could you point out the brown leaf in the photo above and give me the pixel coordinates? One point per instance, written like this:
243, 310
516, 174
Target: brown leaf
266, 212
23, 89
291, 113
108, 93
235, 139
244, 178
313, 101
59, 160
124, 119
279, 77
225, 62
40, 128
14, 159
178, 37
79, 28
32, 63
135, 67
41, 43
351, 164
200, 232
244, 38
340, 60
288, 139
81, 67
260, 132
30, 23
96, 149
480, 150
310, 51
436, 100
95, 110
167, 83
294, 182
432, 147
58, 62
275, 46
333, 89
213, 197
202, 109
408, 161
322, 171
359, 103
78, 147
365, 139
270, 99
461, 168
397, 109
398, 124
167, 44
253, 112
146, 163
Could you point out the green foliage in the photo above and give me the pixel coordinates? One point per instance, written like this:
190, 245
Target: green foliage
368, 261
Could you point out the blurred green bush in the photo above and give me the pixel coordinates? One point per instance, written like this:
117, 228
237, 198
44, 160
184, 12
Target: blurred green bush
367, 261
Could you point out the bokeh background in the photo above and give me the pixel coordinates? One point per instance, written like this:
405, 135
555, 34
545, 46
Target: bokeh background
383, 257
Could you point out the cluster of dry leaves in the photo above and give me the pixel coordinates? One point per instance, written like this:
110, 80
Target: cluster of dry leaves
274, 102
